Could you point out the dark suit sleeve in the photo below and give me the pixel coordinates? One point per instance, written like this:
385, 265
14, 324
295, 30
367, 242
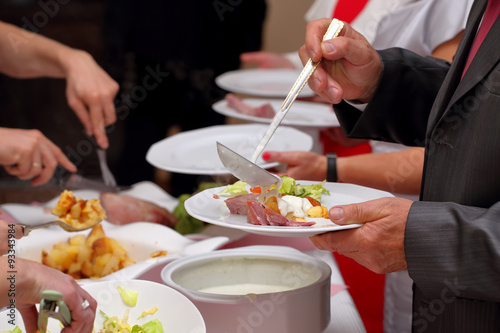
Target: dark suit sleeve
399, 110
452, 247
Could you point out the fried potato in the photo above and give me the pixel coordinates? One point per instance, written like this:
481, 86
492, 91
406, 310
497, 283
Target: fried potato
93, 256
77, 212
318, 211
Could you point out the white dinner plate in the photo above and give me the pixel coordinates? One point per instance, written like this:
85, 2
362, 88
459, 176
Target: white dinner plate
275, 82
301, 114
195, 152
175, 311
206, 207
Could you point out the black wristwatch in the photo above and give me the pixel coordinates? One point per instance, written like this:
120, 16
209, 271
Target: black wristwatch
331, 167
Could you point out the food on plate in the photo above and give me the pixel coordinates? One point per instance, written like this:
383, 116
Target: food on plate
129, 297
77, 212
263, 111
121, 325
92, 256
123, 209
290, 205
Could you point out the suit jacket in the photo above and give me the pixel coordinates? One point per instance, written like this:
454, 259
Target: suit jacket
452, 236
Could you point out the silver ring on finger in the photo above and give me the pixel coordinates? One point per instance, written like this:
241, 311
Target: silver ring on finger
85, 304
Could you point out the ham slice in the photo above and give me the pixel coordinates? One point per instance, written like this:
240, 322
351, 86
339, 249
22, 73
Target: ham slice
123, 209
263, 111
238, 204
259, 214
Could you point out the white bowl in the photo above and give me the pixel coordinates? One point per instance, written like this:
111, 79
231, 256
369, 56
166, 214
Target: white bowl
263, 289
139, 239
176, 313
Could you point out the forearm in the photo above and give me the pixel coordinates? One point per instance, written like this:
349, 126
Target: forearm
24, 54
398, 172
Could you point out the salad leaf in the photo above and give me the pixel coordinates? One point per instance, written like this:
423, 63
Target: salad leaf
290, 187
153, 326
129, 297
14, 330
186, 224
237, 188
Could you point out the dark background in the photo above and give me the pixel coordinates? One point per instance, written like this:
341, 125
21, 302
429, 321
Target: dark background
41, 103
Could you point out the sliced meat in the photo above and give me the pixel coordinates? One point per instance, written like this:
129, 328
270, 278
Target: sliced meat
256, 214
238, 204
263, 111
123, 209
259, 214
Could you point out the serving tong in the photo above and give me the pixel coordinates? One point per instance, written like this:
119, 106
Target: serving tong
52, 306
247, 170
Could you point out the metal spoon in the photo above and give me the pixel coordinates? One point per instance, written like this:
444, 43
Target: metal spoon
249, 171
26, 229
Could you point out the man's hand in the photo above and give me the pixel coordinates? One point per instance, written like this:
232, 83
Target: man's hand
379, 243
350, 67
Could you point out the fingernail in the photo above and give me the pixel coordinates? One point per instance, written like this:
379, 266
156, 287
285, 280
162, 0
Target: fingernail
266, 156
336, 213
333, 92
312, 54
315, 84
328, 47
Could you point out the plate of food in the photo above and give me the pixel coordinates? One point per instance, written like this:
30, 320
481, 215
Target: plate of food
261, 110
238, 207
273, 82
108, 251
195, 152
124, 304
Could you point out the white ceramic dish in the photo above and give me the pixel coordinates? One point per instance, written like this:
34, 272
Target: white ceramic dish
176, 312
209, 209
274, 82
195, 152
301, 114
139, 239
262, 289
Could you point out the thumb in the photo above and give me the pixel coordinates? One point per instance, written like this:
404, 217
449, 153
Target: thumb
350, 214
361, 212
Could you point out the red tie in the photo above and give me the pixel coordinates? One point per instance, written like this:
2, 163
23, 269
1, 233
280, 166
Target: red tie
490, 15
347, 10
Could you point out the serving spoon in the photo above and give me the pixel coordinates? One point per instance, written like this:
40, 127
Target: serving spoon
248, 171
26, 229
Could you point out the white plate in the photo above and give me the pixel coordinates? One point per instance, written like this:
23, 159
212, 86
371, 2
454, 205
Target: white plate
175, 311
275, 82
139, 239
195, 152
206, 208
301, 114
